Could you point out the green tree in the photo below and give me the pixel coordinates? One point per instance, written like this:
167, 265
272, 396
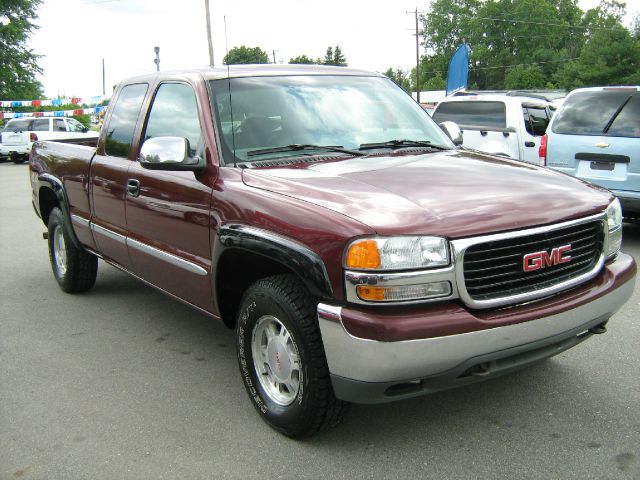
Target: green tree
334, 57
18, 64
516, 43
302, 59
400, 77
610, 55
525, 77
245, 55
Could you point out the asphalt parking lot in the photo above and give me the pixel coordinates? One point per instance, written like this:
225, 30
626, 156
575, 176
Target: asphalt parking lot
124, 382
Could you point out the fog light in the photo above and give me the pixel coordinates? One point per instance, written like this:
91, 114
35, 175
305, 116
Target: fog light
403, 292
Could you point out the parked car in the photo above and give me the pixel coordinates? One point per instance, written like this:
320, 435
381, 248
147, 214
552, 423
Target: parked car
505, 125
322, 214
18, 135
595, 136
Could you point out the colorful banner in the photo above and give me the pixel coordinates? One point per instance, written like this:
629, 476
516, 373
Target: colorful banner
57, 113
53, 102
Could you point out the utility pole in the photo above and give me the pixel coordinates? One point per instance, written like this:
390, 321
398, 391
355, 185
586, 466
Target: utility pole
103, 82
157, 59
206, 7
274, 56
416, 12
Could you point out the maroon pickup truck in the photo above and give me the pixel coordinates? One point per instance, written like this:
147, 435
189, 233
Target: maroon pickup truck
359, 254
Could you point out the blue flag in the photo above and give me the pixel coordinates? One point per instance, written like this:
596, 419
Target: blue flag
458, 74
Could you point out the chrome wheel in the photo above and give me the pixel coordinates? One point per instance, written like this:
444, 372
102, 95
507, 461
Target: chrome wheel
276, 360
59, 251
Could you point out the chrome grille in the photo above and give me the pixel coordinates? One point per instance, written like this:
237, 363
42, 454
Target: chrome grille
494, 269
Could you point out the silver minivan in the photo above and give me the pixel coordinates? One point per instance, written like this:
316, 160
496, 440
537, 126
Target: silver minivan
595, 136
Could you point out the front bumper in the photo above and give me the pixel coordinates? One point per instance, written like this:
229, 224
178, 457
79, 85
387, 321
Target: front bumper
372, 371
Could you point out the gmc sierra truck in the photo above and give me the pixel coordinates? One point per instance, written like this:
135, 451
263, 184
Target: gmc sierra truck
359, 254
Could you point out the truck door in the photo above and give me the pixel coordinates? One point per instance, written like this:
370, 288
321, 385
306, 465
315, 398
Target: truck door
536, 119
109, 174
168, 211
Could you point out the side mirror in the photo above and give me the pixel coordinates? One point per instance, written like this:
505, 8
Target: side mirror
168, 153
85, 129
453, 131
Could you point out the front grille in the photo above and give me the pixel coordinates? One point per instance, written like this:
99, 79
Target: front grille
494, 269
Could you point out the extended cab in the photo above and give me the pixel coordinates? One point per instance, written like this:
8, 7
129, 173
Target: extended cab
19, 134
506, 125
321, 213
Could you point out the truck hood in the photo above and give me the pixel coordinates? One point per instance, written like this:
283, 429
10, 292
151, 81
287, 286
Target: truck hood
453, 194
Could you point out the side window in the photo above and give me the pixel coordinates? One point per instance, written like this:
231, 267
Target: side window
58, 125
535, 120
123, 120
174, 113
75, 126
41, 125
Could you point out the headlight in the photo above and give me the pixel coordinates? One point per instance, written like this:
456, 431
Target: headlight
614, 225
397, 253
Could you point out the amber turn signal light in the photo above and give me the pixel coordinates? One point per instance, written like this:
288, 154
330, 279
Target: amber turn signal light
363, 254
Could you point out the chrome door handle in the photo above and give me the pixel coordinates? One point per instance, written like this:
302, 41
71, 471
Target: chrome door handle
133, 187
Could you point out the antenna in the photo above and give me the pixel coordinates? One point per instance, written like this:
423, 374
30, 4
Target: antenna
233, 132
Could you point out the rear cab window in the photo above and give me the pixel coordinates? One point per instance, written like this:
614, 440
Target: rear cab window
473, 113
124, 117
613, 112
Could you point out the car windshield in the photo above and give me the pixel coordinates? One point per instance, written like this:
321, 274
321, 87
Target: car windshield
342, 112
614, 112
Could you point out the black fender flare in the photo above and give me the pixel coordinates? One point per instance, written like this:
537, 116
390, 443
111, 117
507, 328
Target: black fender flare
305, 263
46, 180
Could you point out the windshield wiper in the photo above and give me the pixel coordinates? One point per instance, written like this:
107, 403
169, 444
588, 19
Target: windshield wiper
401, 144
297, 147
606, 128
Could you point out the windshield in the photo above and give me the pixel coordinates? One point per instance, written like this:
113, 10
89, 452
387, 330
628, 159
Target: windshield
338, 111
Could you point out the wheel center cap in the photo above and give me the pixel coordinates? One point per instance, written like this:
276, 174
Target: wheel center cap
278, 359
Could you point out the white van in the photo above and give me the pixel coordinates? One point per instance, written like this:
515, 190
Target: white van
505, 125
19, 134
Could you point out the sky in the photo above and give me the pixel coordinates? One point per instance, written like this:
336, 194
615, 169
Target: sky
76, 35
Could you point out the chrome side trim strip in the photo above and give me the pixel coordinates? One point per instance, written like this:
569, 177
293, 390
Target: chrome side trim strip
108, 233
167, 257
80, 221
459, 248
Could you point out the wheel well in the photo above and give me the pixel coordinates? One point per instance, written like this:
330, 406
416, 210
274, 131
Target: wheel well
48, 201
235, 272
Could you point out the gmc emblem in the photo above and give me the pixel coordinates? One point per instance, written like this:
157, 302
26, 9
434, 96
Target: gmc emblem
537, 260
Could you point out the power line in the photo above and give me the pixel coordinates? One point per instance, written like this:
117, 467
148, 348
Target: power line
508, 66
493, 19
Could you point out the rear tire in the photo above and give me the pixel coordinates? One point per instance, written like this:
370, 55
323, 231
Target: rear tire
282, 360
75, 270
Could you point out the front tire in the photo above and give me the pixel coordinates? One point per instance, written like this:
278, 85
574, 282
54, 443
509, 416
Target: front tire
282, 360
75, 270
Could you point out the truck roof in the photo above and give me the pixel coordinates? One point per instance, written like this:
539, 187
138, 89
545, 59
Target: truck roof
267, 70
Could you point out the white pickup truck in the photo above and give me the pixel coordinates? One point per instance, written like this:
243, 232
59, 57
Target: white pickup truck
505, 125
18, 135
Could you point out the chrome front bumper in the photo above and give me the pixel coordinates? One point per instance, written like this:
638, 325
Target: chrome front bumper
370, 371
